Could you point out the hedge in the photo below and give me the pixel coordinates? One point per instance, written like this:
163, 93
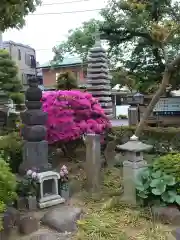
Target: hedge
163, 140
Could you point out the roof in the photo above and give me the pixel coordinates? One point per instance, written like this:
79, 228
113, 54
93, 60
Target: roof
134, 145
67, 61
17, 44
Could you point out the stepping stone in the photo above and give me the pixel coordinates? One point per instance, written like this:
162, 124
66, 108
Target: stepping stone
167, 215
28, 224
50, 236
62, 219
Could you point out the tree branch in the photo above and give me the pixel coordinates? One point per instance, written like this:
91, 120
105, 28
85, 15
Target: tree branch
169, 70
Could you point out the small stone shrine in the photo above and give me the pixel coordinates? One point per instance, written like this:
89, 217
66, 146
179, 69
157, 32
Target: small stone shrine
98, 78
48, 189
134, 153
35, 148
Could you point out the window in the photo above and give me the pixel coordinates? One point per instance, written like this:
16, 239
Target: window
30, 60
19, 54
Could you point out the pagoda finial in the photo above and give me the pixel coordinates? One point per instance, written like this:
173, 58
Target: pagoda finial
97, 38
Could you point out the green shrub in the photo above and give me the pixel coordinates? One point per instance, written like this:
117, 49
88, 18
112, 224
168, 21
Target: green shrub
121, 116
169, 163
163, 140
152, 185
18, 98
11, 150
7, 186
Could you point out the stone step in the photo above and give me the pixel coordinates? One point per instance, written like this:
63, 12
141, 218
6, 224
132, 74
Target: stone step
100, 93
99, 87
104, 99
98, 81
97, 60
97, 70
108, 110
98, 65
97, 49
103, 76
97, 55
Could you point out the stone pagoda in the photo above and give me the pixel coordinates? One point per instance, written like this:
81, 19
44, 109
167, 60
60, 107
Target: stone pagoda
35, 147
98, 78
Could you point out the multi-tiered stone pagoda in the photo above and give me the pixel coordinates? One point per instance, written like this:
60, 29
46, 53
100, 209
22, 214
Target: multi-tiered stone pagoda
98, 77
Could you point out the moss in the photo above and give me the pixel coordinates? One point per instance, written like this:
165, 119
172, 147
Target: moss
108, 218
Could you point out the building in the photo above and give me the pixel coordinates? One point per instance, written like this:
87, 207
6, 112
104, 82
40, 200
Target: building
39, 73
73, 64
25, 58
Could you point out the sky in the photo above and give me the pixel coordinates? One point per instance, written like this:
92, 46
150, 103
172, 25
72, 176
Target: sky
43, 31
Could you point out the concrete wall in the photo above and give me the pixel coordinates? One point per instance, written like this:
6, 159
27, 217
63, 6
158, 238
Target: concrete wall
25, 58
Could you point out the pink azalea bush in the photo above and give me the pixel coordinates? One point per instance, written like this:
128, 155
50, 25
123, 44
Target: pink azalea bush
72, 114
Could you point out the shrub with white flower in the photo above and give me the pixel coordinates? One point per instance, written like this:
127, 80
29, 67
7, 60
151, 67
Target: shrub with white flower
64, 174
28, 186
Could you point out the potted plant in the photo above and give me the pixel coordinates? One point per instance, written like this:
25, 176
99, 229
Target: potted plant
27, 190
64, 186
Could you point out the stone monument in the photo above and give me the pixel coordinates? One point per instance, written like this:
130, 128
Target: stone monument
98, 77
132, 166
93, 162
35, 148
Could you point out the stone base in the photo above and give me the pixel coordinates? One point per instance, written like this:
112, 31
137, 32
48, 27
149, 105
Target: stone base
51, 203
35, 156
130, 171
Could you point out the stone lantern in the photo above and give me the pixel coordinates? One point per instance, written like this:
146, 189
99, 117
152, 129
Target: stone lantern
138, 98
132, 165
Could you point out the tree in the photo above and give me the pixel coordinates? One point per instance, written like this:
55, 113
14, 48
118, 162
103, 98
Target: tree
13, 12
9, 82
141, 26
122, 77
153, 29
7, 187
79, 41
66, 81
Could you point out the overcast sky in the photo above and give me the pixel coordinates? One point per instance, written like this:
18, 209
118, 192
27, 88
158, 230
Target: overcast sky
42, 32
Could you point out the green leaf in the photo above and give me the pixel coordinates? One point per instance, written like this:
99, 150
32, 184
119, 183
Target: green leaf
155, 182
158, 191
169, 180
140, 187
143, 194
157, 174
145, 174
178, 199
169, 196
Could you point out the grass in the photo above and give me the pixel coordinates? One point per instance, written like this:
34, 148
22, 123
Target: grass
107, 218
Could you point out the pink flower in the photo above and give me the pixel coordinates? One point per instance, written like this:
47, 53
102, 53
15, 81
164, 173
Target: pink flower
62, 174
72, 114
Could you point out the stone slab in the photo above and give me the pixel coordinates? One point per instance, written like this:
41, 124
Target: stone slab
62, 219
176, 233
51, 203
167, 215
34, 117
46, 234
35, 155
28, 224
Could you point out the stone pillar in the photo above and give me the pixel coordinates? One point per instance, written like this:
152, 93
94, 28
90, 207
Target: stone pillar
93, 162
35, 149
133, 115
132, 166
98, 77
